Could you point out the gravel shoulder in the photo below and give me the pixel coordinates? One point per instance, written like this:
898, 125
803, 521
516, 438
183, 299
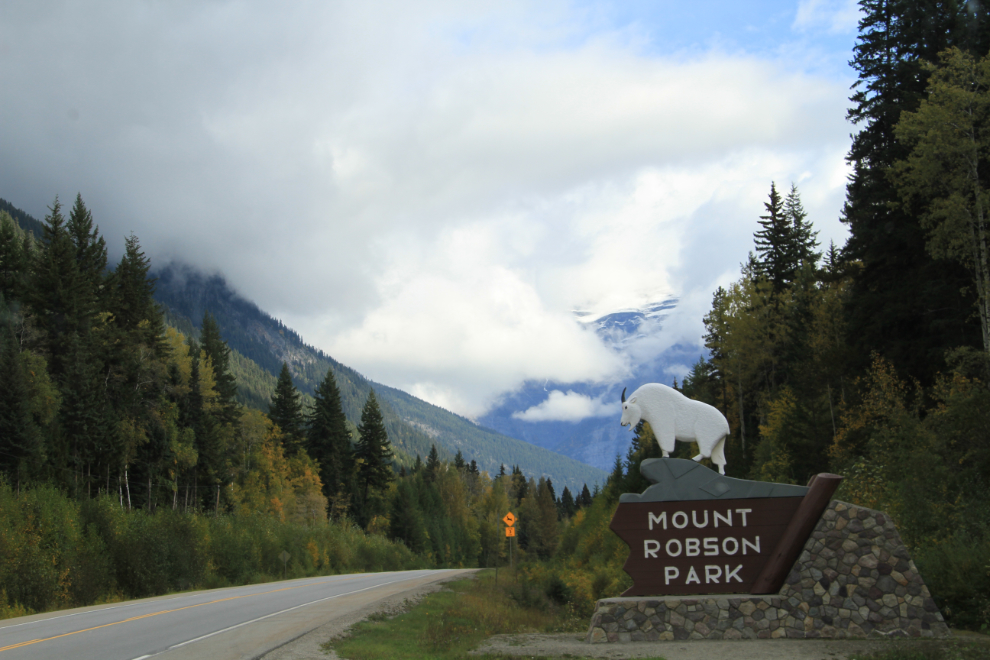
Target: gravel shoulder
574, 646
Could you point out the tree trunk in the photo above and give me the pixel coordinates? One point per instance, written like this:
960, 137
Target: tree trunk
742, 419
127, 484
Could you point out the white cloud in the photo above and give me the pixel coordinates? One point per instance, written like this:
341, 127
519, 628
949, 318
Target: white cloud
566, 407
835, 16
426, 194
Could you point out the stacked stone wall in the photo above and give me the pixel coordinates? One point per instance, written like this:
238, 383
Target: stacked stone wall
854, 578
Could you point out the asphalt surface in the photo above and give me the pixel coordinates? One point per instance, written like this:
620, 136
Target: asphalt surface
237, 623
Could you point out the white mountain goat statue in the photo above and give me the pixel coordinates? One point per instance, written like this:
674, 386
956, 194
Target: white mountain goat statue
673, 416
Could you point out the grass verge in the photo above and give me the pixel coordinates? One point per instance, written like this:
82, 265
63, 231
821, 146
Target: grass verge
449, 623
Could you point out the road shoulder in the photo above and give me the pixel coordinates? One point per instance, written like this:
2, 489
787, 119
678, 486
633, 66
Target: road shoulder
573, 645
309, 645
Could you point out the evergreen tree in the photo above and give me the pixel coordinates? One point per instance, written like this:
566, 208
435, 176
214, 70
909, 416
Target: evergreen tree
432, 464
833, 264
947, 173
567, 505
286, 410
614, 485
328, 440
778, 244
13, 260
218, 351
584, 499
55, 295
543, 534
373, 449
474, 467
135, 311
902, 303
804, 239
459, 460
20, 451
91, 254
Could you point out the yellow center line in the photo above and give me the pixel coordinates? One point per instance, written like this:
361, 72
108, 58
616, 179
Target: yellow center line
145, 616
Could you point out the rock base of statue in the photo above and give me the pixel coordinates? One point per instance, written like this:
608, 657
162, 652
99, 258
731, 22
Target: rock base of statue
853, 578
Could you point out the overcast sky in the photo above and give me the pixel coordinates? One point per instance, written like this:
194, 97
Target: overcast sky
427, 190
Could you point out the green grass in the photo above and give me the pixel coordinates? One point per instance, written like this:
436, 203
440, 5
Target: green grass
449, 623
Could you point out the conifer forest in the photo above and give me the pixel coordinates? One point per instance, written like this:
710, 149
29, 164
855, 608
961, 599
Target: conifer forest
129, 466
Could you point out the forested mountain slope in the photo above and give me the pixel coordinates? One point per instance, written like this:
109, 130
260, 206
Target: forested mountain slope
263, 343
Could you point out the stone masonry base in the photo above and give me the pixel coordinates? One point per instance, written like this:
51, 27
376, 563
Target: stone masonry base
853, 579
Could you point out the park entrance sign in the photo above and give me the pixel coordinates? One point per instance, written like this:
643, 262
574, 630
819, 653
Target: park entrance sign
713, 557
700, 547
697, 532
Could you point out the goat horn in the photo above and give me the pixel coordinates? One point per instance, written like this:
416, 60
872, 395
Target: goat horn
623, 395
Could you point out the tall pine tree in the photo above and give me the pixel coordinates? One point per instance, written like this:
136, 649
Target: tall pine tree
286, 410
328, 440
373, 449
219, 353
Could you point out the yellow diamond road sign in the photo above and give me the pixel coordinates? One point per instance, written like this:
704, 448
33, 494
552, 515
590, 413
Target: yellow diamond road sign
509, 519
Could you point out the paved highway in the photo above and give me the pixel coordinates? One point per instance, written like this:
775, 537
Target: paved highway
236, 623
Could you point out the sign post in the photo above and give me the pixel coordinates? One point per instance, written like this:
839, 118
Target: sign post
510, 532
285, 556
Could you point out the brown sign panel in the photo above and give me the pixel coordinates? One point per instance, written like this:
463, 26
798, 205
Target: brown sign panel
700, 546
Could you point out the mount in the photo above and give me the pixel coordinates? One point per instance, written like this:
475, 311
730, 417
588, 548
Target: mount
261, 343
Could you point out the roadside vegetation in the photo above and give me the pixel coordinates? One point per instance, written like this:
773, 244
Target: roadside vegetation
449, 623
57, 552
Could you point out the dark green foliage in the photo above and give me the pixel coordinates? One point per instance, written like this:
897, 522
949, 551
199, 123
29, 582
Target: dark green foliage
374, 451
584, 499
136, 312
219, 352
615, 485
776, 258
567, 505
21, 451
432, 464
903, 303
13, 259
56, 296
328, 440
286, 410
91, 253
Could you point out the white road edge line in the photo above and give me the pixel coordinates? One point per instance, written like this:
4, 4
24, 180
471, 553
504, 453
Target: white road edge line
142, 657
268, 616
